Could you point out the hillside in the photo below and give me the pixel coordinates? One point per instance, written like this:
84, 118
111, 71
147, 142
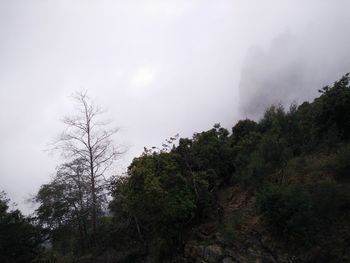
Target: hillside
276, 190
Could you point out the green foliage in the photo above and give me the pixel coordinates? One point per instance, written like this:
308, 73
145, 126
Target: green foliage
20, 238
156, 195
173, 188
288, 209
342, 163
244, 140
303, 214
54, 208
288, 157
331, 201
265, 150
54, 213
211, 151
274, 120
65, 208
334, 108
243, 129
326, 120
297, 160
105, 229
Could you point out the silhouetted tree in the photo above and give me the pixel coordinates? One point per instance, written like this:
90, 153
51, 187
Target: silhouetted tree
65, 201
20, 238
89, 139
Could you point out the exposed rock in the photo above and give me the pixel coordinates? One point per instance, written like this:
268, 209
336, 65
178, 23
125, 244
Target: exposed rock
193, 250
253, 242
212, 253
219, 238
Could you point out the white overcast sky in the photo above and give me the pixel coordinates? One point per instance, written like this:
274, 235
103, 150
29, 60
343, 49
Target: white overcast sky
159, 67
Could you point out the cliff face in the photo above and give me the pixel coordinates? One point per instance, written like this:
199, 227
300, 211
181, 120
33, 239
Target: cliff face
239, 234
236, 231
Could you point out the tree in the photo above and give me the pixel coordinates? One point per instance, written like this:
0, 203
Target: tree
89, 139
74, 176
156, 195
64, 202
20, 238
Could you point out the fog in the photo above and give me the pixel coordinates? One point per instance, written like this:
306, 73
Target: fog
294, 67
158, 67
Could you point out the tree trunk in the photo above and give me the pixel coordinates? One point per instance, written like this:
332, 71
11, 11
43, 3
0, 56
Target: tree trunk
93, 208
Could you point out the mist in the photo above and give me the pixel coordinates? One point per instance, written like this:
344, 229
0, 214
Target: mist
158, 68
295, 65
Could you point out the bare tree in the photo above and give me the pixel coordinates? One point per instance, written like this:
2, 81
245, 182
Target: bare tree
88, 139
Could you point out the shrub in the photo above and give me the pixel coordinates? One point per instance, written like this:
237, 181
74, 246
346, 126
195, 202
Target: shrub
287, 209
342, 165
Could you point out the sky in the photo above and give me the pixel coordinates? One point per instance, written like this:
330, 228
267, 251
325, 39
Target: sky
158, 67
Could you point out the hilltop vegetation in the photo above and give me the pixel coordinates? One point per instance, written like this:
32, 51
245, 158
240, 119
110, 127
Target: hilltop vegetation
276, 190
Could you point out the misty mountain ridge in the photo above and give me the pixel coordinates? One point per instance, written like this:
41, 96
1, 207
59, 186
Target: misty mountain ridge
273, 190
288, 71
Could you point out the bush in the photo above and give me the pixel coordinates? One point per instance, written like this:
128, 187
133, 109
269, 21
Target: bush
342, 165
331, 201
288, 210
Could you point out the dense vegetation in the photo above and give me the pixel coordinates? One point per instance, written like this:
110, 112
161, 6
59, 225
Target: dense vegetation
295, 162
20, 237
